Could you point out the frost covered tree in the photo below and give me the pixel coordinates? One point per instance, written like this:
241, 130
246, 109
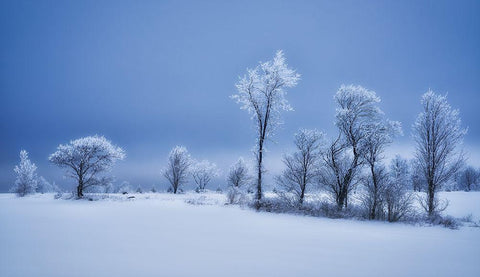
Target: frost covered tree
438, 136
238, 174
468, 178
378, 134
344, 157
203, 172
262, 93
176, 172
26, 171
397, 195
301, 166
85, 159
45, 186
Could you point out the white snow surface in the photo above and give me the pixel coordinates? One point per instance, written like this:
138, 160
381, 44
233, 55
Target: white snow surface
162, 235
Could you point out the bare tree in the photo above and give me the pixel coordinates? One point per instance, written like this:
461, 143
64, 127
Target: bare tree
177, 170
335, 172
27, 180
374, 182
379, 133
85, 159
202, 173
238, 174
438, 135
301, 166
262, 93
397, 196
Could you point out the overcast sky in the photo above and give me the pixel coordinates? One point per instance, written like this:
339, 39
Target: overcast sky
151, 75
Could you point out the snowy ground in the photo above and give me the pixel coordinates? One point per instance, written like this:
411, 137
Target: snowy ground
165, 236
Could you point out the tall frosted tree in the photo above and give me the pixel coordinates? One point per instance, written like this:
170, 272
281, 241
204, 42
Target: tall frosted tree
262, 93
27, 180
178, 167
438, 135
356, 111
85, 159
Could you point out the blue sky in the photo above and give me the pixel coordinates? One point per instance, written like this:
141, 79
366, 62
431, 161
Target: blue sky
153, 74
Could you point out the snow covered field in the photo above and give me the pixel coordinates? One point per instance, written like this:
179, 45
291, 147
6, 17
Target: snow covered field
165, 236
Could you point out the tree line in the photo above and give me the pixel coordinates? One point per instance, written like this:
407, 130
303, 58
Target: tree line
351, 158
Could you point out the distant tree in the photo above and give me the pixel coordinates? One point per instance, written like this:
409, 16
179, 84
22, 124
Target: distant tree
417, 178
27, 180
202, 173
154, 189
124, 188
85, 159
468, 178
110, 188
176, 172
397, 196
262, 93
438, 135
301, 166
139, 190
238, 174
45, 187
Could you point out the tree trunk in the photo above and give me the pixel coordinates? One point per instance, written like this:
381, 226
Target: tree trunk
259, 180
302, 195
80, 190
340, 201
431, 198
375, 193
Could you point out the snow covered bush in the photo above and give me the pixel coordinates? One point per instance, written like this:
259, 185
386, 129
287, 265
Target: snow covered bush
236, 195
262, 93
85, 158
202, 173
26, 181
176, 172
